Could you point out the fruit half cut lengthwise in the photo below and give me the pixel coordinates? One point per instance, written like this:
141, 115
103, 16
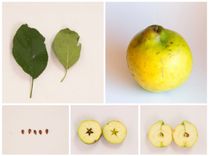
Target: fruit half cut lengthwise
89, 131
160, 134
185, 134
114, 132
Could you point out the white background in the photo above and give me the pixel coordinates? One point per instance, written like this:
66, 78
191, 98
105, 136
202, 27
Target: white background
174, 115
125, 20
54, 118
84, 82
126, 114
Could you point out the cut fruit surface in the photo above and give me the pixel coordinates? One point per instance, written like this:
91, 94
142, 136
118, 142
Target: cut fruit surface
185, 134
114, 132
160, 134
89, 131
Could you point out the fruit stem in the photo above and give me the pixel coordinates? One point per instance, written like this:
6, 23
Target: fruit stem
31, 89
157, 28
64, 76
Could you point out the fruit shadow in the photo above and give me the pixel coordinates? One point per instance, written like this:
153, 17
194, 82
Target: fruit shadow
109, 145
83, 148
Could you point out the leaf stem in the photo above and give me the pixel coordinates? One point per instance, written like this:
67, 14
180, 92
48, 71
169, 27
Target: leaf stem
64, 76
31, 89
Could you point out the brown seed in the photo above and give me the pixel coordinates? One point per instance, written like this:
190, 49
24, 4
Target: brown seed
46, 131
22, 131
35, 132
29, 131
40, 132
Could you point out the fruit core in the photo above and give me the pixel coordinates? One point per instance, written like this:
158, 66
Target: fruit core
114, 132
89, 131
161, 134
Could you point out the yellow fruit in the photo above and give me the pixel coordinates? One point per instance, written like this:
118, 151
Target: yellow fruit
159, 59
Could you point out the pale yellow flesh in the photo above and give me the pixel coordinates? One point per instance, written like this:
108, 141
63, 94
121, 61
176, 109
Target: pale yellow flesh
155, 137
93, 137
179, 134
158, 66
110, 137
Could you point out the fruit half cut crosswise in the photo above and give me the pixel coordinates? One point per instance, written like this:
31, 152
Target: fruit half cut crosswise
160, 134
89, 131
114, 132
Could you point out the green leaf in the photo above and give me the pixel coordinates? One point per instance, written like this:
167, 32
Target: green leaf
66, 48
30, 51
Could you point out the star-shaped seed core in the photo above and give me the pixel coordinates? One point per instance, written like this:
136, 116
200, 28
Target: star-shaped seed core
114, 132
89, 131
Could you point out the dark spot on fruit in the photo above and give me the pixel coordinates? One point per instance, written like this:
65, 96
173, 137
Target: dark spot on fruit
40, 132
46, 131
22, 131
186, 134
89, 131
157, 53
169, 49
171, 42
35, 132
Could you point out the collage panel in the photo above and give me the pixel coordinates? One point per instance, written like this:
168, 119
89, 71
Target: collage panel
104, 77
104, 129
35, 130
59, 42
174, 129
156, 52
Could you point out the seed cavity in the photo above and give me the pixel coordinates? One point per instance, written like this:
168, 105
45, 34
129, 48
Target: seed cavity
161, 134
186, 134
114, 132
89, 131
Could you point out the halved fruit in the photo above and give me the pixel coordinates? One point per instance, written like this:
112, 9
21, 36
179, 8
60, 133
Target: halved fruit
89, 131
114, 132
185, 134
160, 134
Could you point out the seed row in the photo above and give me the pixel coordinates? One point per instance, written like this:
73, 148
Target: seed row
30, 131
